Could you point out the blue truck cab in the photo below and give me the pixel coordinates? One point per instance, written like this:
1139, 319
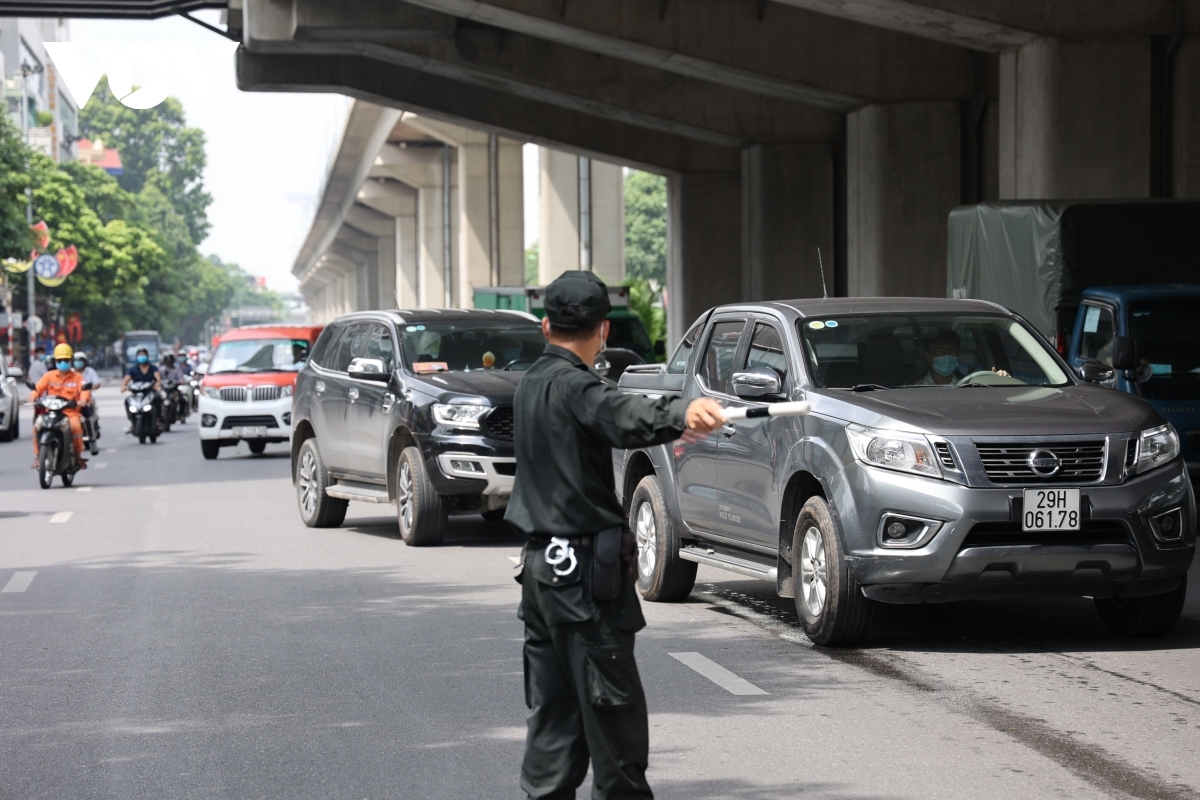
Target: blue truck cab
1160, 359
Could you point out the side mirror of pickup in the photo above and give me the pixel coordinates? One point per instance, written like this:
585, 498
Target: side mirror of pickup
369, 369
757, 383
1124, 353
1095, 372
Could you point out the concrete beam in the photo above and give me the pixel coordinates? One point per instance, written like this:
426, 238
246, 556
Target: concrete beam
915, 19
793, 54
389, 197
519, 118
370, 221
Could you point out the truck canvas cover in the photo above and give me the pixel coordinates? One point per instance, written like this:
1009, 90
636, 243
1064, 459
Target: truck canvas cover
1037, 256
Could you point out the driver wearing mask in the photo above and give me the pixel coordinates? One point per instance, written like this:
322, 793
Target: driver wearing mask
942, 356
142, 371
68, 384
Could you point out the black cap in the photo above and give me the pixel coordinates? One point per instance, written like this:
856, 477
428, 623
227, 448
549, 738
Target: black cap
577, 299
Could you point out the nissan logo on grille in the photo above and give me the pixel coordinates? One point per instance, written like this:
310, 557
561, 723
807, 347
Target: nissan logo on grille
1044, 463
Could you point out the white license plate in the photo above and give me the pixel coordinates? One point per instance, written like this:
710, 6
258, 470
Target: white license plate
1050, 510
251, 432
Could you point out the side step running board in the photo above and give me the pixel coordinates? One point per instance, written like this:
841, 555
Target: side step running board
362, 492
741, 566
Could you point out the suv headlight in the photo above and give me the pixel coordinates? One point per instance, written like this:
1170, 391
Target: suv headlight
211, 391
1156, 447
907, 452
285, 391
459, 415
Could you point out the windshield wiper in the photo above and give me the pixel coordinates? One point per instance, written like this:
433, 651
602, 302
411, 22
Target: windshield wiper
869, 387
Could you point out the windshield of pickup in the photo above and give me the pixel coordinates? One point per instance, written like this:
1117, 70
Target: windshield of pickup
468, 346
259, 355
1167, 333
898, 351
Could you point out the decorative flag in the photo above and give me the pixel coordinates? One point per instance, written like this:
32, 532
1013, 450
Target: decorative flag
12, 265
68, 258
41, 234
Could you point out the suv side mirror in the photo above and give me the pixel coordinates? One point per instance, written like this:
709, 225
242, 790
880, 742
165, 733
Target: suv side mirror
1095, 372
756, 383
1124, 353
369, 369
16, 372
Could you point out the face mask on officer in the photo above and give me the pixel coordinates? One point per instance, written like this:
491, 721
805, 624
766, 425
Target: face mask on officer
143, 359
64, 366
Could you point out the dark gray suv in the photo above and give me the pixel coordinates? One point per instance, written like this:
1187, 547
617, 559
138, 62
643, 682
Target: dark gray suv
950, 453
412, 408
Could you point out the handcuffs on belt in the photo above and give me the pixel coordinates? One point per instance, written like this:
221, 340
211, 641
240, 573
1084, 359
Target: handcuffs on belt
558, 551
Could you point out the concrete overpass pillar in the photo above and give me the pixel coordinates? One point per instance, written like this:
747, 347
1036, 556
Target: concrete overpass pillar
902, 180
582, 217
704, 246
1075, 119
787, 213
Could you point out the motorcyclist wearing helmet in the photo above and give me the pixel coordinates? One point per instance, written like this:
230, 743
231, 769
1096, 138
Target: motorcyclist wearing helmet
171, 371
68, 384
142, 371
90, 376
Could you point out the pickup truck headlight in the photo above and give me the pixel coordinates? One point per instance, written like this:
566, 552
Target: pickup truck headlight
907, 452
1156, 447
211, 391
459, 415
285, 391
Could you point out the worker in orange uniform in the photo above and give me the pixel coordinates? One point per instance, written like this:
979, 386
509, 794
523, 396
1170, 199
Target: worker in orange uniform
68, 384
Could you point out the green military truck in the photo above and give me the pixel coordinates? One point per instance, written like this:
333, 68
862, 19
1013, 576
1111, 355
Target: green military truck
625, 328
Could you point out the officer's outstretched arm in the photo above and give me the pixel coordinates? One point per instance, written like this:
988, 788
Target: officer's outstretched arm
626, 420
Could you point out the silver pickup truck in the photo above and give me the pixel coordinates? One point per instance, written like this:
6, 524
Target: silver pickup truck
950, 453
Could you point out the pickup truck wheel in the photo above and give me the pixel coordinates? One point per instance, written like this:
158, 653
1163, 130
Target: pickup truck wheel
1143, 617
211, 448
830, 604
663, 576
420, 511
317, 509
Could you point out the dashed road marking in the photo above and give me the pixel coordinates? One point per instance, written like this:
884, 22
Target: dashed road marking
84, 489
61, 516
722, 677
19, 582
515, 559
100, 465
111, 450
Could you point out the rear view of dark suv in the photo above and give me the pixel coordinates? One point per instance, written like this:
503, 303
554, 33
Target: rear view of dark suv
412, 408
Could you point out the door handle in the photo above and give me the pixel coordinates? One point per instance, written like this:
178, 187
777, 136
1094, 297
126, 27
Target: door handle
353, 394
320, 387
728, 430
389, 400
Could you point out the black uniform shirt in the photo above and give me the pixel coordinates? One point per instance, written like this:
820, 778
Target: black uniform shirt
566, 423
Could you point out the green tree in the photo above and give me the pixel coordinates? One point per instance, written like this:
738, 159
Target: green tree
15, 239
157, 149
531, 265
646, 226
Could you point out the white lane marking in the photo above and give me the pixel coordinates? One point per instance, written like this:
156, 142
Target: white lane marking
722, 677
61, 516
111, 450
19, 582
515, 559
84, 489
100, 465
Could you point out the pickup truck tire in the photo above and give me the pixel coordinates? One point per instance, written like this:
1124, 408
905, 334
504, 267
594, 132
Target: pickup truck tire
317, 509
663, 576
210, 448
1143, 617
829, 602
420, 511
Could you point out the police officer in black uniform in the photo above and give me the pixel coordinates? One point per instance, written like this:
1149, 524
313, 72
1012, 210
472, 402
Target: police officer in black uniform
578, 602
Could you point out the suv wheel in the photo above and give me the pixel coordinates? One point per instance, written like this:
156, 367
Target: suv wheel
420, 511
1143, 617
211, 448
830, 604
317, 509
662, 575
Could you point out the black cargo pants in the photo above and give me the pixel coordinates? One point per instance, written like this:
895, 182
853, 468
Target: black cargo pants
582, 687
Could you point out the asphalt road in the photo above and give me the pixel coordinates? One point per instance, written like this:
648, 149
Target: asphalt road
183, 635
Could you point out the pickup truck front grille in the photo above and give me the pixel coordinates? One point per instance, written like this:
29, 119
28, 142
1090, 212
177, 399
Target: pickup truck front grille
248, 421
233, 394
499, 423
263, 394
1008, 462
1092, 531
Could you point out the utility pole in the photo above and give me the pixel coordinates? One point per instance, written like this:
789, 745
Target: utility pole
25, 71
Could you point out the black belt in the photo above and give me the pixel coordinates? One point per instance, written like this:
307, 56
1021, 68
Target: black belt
541, 540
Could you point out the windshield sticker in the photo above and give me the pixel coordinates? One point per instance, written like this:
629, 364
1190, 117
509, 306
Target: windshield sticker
1160, 369
816, 324
425, 367
831, 323
1091, 319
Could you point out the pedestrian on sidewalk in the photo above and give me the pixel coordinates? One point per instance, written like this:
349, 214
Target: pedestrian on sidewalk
578, 602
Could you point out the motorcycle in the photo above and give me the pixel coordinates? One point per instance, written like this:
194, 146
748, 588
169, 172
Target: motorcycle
142, 414
56, 455
91, 431
179, 396
194, 385
170, 406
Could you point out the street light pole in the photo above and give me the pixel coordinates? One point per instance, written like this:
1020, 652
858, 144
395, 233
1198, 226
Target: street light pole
31, 308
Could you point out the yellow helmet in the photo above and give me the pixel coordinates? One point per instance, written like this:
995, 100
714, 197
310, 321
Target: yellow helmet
63, 352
